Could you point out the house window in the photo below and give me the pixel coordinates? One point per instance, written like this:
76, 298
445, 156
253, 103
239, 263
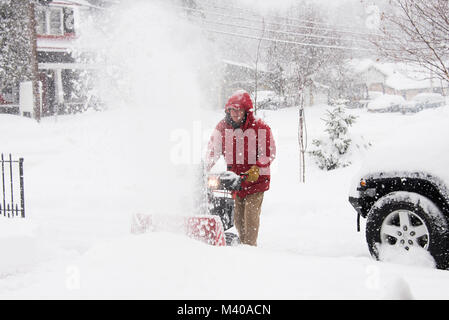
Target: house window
41, 21
55, 21
49, 21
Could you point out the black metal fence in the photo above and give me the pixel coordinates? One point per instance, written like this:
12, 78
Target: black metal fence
13, 193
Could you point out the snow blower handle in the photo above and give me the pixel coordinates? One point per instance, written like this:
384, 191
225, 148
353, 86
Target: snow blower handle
243, 175
230, 181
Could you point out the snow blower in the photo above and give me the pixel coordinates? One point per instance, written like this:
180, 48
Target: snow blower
209, 227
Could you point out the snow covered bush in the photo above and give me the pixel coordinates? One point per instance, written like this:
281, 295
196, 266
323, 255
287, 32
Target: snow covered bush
331, 153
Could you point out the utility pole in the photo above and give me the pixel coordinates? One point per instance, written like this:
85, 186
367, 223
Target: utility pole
257, 62
34, 62
302, 136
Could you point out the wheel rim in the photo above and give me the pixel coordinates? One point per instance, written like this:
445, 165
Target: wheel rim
404, 229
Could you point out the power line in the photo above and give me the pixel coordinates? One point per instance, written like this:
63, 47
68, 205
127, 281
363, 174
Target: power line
259, 38
287, 41
277, 17
285, 32
275, 23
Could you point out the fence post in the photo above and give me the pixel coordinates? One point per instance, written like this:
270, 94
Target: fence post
22, 188
3, 185
12, 185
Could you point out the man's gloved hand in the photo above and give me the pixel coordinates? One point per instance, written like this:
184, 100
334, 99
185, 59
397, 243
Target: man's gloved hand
253, 174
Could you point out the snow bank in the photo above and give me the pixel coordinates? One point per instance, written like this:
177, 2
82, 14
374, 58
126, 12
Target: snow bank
414, 257
428, 97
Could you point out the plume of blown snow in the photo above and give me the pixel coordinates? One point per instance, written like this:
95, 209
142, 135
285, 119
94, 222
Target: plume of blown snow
153, 64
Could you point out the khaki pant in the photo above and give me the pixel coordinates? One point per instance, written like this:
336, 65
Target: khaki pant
246, 217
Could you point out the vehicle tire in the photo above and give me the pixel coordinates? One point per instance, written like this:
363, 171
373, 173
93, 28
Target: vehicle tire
405, 219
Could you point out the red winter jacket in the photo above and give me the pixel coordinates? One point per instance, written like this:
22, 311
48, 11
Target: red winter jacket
250, 144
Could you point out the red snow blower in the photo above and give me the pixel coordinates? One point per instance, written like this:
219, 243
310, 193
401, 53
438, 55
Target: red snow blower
209, 227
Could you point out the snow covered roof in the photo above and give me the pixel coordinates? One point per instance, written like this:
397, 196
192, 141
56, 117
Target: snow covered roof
84, 3
238, 64
360, 65
399, 76
260, 66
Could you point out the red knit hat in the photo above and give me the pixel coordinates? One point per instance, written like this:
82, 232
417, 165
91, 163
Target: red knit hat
239, 100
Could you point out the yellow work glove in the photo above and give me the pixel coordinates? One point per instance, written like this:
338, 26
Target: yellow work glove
253, 174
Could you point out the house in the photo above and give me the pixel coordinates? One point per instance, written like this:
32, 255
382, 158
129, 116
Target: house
401, 79
239, 75
63, 80
316, 93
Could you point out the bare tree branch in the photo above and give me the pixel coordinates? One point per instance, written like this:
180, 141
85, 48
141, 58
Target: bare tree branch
417, 31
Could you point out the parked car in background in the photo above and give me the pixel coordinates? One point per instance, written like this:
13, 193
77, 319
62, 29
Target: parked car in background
374, 94
386, 103
424, 101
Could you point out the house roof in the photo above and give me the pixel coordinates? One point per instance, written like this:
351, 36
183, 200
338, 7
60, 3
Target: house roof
84, 3
260, 66
399, 76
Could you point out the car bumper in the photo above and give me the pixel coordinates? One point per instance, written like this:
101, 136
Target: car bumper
356, 204
363, 201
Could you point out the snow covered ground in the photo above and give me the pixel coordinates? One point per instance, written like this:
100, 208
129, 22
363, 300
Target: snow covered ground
86, 174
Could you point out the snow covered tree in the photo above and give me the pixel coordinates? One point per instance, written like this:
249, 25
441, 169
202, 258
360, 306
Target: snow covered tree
302, 55
344, 86
330, 153
305, 50
15, 42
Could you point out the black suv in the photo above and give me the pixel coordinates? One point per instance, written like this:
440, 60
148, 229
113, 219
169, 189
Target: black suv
404, 210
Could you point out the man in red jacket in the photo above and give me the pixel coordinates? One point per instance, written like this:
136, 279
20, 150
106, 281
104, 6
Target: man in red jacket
248, 146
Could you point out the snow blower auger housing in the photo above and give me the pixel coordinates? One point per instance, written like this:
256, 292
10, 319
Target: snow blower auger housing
210, 227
